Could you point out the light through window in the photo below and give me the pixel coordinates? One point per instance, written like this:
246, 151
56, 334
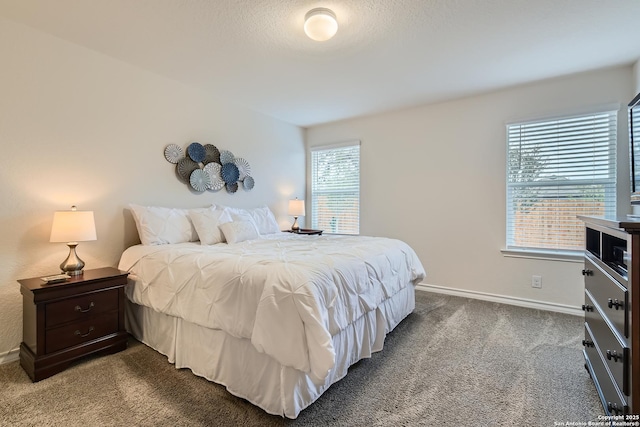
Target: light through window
558, 169
335, 188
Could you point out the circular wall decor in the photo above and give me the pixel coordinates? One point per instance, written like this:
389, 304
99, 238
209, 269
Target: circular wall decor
196, 151
243, 167
173, 153
226, 156
230, 173
248, 183
205, 167
212, 154
213, 169
185, 166
199, 180
232, 188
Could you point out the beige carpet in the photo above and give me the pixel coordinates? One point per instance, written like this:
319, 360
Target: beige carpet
453, 362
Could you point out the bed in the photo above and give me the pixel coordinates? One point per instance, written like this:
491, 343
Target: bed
274, 317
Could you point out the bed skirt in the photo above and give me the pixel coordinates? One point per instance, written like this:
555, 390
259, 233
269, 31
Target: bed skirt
257, 377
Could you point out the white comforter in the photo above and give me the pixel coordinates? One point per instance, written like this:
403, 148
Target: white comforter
287, 293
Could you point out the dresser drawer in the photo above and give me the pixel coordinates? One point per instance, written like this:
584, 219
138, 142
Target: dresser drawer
81, 307
612, 400
610, 295
81, 331
614, 352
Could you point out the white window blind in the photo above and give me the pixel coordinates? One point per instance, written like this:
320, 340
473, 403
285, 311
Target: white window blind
335, 189
558, 169
634, 135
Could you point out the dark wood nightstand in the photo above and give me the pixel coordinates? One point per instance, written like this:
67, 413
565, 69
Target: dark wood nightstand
65, 321
306, 231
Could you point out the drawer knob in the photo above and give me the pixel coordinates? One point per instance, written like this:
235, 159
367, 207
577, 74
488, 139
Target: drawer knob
81, 335
84, 310
612, 354
615, 303
587, 307
588, 343
613, 408
587, 272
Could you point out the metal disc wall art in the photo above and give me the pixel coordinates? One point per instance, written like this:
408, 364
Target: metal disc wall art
205, 167
173, 153
196, 151
226, 156
213, 169
212, 154
243, 168
200, 180
233, 187
248, 183
230, 173
184, 167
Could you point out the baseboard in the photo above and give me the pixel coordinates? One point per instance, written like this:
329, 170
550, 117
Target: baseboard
9, 356
521, 302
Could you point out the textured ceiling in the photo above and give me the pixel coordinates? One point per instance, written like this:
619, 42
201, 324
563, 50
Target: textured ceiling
387, 54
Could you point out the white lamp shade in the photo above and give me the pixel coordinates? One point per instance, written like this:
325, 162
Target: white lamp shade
73, 226
320, 24
296, 207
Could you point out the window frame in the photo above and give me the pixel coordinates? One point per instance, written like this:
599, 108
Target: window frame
568, 255
310, 187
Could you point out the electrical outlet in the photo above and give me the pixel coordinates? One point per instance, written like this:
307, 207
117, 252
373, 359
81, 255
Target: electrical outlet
536, 281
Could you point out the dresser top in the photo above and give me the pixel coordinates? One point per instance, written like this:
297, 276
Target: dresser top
624, 222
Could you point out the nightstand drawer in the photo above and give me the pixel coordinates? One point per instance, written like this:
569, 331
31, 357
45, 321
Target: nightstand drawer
81, 307
80, 332
610, 295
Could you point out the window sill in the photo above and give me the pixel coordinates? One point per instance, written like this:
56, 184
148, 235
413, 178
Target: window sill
545, 254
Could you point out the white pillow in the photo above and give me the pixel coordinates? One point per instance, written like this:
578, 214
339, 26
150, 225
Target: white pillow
238, 231
159, 226
232, 211
265, 220
206, 222
262, 218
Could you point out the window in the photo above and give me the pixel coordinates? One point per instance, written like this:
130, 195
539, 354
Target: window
558, 169
335, 188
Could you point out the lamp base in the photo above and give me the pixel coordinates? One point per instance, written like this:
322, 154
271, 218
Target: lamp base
295, 227
73, 265
74, 273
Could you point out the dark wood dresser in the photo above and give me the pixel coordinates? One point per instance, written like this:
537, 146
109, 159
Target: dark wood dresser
65, 321
612, 311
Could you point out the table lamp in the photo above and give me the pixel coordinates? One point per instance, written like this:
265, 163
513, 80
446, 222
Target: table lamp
72, 227
296, 209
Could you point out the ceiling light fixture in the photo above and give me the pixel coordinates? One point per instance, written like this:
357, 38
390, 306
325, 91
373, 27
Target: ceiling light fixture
320, 24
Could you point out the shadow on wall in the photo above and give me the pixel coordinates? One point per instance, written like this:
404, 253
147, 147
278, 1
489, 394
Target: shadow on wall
130, 237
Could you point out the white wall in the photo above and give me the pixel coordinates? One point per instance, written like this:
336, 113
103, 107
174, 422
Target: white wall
434, 176
77, 127
636, 75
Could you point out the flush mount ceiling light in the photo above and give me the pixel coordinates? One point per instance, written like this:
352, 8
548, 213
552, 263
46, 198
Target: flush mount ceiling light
320, 24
